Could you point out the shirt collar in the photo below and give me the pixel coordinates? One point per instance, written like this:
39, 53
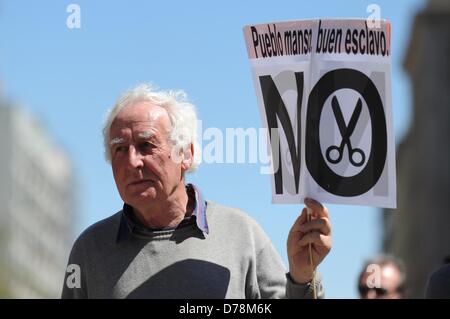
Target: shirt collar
199, 209
129, 224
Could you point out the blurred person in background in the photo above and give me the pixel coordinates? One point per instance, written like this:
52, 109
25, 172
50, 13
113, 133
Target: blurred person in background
382, 277
438, 285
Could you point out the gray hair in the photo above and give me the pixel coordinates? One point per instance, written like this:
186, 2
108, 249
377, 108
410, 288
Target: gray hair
182, 115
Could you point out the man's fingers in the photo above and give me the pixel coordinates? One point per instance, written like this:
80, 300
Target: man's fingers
315, 238
320, 221
300, 220
322, 225
317, 208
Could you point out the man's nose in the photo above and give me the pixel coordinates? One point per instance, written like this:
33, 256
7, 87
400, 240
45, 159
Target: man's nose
135, 158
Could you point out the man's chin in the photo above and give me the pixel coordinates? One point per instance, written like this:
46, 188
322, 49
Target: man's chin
149, 194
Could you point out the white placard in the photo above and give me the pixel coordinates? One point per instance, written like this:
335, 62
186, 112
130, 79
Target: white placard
324, 92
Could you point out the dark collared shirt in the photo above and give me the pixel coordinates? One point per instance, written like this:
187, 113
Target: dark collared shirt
130, 224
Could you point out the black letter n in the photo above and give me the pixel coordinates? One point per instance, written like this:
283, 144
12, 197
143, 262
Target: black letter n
275, 107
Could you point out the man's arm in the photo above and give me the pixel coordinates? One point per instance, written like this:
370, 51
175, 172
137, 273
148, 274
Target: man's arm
74, 285
274, 282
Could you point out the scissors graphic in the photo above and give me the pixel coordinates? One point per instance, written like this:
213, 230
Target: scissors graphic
335, 153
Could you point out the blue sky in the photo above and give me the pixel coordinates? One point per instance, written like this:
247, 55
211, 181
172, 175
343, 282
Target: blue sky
68, 78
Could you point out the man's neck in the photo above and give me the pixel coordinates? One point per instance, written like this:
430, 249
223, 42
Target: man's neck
170, 213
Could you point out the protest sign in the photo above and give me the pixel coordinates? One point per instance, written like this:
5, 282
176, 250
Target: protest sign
324, 93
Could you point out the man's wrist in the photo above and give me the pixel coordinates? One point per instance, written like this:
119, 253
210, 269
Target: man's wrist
301, 279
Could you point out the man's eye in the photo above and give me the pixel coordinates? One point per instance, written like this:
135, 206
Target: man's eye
146, 145
121, 149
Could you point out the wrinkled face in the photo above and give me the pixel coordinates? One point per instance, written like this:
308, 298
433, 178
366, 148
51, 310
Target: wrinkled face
141, 155
389, 283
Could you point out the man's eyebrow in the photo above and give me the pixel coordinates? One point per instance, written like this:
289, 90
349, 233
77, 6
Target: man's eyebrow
117, 140
146, 134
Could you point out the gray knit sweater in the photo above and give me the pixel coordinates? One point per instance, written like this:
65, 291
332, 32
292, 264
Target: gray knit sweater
235, 260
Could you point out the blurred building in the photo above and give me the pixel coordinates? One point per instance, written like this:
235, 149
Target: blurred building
36, 196
418, 231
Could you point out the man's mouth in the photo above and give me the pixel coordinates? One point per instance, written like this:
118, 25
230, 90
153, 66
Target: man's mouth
141, 181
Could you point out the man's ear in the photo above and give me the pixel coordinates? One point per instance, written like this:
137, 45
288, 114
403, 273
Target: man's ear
188, 157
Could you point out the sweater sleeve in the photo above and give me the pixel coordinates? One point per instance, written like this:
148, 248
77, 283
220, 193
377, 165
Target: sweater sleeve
74, 285
304, 291
274, 282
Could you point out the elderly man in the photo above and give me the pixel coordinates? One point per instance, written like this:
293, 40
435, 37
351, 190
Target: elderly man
167, 241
